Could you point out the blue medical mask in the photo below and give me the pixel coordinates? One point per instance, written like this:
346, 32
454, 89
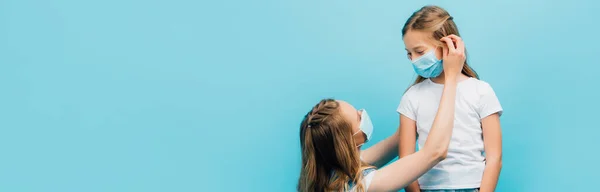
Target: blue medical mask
366, 126
428, 65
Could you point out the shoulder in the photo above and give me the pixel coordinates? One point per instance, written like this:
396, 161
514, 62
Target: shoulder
416, 88
369, 171
481, 87
480, 82
368, 177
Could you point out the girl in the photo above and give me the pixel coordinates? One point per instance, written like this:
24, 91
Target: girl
332, 133
476, 123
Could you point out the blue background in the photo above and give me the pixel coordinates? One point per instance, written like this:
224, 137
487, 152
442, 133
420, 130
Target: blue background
177, 95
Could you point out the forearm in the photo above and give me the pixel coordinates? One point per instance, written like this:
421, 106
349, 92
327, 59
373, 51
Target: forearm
388, 149
491, 174
413, 187
383, 152
441, 130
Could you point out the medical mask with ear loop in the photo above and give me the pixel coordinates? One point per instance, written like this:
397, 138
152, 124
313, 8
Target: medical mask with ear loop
366, 126
428, 65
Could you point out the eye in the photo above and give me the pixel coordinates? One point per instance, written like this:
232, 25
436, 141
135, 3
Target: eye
420, 52
409, 55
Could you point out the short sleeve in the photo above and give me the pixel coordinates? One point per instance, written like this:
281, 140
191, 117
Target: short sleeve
407, 105
368, 178
488, 102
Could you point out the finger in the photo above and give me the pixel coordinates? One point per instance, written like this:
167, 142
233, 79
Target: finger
448, 43
460, 44
444, 52
453, 36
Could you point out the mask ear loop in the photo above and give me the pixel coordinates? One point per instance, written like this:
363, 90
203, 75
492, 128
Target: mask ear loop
359, 145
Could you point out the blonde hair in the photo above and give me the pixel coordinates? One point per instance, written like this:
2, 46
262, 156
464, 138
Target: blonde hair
329, 156
438, 21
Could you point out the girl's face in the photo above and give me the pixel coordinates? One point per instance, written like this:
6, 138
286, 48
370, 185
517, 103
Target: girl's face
417, 43
353, 116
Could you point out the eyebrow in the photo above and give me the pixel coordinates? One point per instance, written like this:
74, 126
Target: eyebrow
417, 47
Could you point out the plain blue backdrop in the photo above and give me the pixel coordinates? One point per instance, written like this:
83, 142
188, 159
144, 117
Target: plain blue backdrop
178, 95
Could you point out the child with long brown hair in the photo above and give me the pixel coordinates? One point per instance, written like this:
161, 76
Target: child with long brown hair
474, 157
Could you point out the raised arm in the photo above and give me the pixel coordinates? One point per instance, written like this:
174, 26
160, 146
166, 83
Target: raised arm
406, 170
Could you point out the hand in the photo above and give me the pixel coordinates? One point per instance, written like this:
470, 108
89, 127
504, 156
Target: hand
453, 55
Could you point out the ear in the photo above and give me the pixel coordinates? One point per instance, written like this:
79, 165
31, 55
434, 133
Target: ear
439, 53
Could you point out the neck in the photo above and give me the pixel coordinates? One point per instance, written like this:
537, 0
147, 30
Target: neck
442, 80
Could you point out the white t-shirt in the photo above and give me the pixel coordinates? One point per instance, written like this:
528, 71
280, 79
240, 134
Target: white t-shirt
464, 165
367, 178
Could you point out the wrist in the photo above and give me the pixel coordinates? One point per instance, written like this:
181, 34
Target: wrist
451, 78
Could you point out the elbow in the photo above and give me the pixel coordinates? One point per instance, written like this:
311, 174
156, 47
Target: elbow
437, 151
495, 161
440, 154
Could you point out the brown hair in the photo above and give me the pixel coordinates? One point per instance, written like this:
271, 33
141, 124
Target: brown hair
438, 21
329, 156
